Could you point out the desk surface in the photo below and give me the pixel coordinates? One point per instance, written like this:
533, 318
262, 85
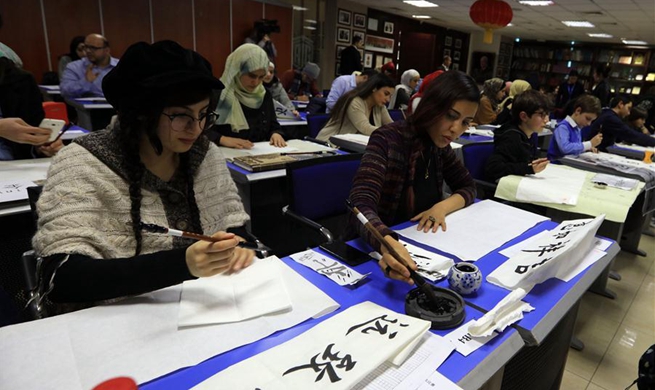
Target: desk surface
93, 103
50, 89
33, 170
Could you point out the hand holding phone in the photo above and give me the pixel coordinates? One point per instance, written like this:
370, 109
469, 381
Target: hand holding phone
54, 125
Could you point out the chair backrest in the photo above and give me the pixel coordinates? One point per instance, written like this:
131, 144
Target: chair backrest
318, 188
316, 122
55, 110
396, 115
475, 157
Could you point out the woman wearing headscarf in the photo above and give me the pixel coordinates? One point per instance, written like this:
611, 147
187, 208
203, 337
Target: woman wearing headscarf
492, 94
402, 94
274, 86
416, 99
246, 113
515, 89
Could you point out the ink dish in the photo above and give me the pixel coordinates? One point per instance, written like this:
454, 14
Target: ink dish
449, 313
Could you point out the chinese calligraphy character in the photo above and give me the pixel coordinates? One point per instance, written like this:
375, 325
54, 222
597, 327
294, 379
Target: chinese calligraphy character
340, 271
464, 339
378, 326
326, 367
521, 269
554, 247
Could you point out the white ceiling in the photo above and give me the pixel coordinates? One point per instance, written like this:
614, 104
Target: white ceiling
624, 19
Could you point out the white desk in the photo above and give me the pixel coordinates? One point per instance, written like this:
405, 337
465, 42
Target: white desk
88, 107
34, 170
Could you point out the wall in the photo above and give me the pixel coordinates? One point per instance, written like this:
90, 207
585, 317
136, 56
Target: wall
204, 25
478, 45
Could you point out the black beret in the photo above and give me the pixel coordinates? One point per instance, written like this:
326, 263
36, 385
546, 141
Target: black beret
146, 73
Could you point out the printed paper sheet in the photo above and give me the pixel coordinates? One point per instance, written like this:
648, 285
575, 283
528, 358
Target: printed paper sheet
324, 265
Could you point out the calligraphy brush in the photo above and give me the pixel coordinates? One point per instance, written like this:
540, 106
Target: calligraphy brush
418, 279
151, 227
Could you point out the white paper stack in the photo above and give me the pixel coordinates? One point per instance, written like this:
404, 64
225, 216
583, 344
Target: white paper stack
555, 184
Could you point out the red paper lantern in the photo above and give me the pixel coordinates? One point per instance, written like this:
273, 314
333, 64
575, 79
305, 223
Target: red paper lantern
490, 15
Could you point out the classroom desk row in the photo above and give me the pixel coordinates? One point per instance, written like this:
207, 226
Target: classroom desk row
544, 332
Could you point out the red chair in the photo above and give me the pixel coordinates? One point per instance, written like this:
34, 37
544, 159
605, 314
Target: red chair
55, 110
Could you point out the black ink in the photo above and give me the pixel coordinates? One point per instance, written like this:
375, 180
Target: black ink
324, 367
378, 326
554, 247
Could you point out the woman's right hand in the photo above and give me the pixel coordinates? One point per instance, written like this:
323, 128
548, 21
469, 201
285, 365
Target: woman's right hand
539, 164
392, 267
16, 130
597, 140
235, 143
205, 258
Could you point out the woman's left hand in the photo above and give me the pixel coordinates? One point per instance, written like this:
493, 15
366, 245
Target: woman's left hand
431, 219
50, 150
277, 141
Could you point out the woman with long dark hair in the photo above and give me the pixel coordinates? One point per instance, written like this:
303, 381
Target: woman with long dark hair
402, 173
361, 110
75, 52
153, 166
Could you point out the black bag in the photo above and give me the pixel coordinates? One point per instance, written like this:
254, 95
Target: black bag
646, 380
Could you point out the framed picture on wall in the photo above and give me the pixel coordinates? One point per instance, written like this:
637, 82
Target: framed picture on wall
455, 66
386, 60
379, 61
361, 53
368, 60
372, 24
388, 27
446, 52
449, 41
343, 35
458, 43
381, 44
336, 69
359, 20
344, 17
456, 56
360, 34
339, 49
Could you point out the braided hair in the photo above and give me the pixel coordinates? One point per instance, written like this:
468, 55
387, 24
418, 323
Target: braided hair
135, 123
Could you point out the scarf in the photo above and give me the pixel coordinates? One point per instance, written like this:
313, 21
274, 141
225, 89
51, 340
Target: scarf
245, 59
407, 76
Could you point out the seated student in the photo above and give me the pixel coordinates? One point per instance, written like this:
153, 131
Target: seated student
76, 51
637, 119
416, 99
273, 85
20, 98
492, 93
407, 163
514, 152
610, 123
404, 90
515, 88
343, 84
361, 110
301, 84
567, 139
154, 166
246, 113
84, 77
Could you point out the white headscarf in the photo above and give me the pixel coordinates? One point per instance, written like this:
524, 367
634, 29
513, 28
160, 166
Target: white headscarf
407, 76
246, 58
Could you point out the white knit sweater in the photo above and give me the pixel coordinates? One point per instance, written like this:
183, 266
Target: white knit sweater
85, 206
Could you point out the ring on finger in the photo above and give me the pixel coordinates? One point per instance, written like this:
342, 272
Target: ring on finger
432, 219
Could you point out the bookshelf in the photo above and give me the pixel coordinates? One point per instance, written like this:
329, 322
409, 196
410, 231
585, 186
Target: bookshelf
632, 70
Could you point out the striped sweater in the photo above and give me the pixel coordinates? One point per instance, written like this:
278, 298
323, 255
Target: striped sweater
387, 171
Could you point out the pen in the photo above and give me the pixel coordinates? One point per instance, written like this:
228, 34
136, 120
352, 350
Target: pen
418, 279
151, 227
301, 153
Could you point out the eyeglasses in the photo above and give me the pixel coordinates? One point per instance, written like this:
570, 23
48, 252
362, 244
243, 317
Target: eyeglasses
542, 114
182, 122
92, 48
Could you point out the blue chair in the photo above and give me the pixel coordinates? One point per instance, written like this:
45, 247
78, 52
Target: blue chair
316, 122
475, 157
396, 115
317, 190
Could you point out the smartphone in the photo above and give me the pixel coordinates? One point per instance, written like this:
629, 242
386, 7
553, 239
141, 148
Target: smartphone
54, 125
345, 252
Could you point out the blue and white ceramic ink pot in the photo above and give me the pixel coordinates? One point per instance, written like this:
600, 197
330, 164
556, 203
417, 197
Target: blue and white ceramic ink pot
465, 278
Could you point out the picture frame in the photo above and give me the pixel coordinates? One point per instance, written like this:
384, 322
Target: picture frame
344, 17
456, 56
343, 35
379, 44
386, 60
458, 43
336, 69
446, 52
361, 34
448, 41
368, 60
388, 28
379, 61
454, 66
338, 51
359, 20
372, 24
361, 53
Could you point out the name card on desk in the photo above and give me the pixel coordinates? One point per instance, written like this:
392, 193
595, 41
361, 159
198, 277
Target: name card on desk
337, 272
11, 191
553, 255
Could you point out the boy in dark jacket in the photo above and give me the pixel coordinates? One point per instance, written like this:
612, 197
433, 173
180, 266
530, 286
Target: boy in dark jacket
514, 152
610, 123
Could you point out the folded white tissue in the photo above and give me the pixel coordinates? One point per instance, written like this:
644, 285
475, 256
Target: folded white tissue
506, 312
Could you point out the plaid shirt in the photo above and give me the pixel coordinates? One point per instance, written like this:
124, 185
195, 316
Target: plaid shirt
387, 170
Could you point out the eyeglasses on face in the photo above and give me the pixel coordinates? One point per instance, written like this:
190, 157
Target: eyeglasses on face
92, 48
182, 122
542, 114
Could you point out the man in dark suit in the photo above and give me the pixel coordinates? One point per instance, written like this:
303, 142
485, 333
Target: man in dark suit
351, 60
569, 90
445, 66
